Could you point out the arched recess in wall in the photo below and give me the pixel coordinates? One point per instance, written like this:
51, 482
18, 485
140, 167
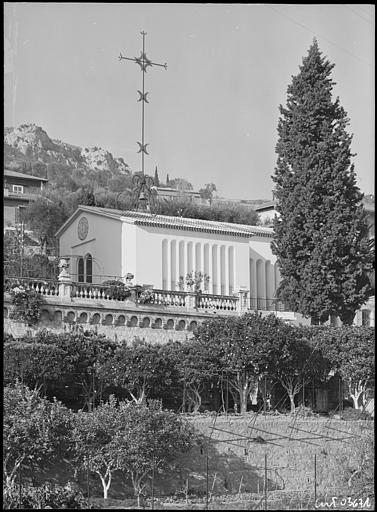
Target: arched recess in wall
146, 322
121, 320
169, 324
83, 318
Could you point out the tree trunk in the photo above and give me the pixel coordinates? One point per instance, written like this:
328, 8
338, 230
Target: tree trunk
292, 401
243, 399
105, 485
194, 398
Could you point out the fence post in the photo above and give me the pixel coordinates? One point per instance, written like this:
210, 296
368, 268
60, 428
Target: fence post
207, 487
64, 278
265, 481
315, 478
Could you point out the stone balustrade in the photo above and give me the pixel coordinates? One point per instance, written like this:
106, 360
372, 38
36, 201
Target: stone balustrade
97, 307
42, 286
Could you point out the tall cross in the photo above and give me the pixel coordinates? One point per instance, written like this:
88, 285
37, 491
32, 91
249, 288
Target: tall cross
143, 62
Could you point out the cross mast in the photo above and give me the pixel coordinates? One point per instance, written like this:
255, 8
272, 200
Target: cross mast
144, 63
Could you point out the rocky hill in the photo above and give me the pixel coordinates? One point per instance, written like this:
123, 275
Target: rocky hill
28, 148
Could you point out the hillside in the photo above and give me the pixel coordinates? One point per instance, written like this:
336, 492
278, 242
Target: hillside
29, 149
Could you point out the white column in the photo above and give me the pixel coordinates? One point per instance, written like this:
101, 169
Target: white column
177, 261
210, 268
253, 282
168, 264
164, 264
202, 265
226, 268
185, 258
194, 262
218, 273
232, 277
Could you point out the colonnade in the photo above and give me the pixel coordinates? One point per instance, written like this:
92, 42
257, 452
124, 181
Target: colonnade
264, 279
180, 257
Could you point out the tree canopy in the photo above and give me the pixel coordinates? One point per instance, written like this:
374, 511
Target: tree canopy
320, 235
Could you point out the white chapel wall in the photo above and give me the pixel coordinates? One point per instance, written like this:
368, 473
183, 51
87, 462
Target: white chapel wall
103, 242
263, 270
163, 255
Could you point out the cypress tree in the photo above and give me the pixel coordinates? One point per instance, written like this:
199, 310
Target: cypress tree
156, 180
321, 234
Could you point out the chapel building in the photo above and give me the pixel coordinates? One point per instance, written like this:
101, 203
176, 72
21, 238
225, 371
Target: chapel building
158, 250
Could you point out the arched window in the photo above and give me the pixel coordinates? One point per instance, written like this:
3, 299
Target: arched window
88, 270
80, 270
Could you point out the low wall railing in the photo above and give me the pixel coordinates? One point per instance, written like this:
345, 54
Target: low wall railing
217, 302
168, 298
189, 300
42, 286
95, 291
267, 305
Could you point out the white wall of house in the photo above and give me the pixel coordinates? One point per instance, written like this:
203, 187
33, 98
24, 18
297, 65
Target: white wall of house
103, 242
264, 271
159, 256
165, 254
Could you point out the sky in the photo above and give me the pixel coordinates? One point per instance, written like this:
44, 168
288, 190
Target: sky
212, 115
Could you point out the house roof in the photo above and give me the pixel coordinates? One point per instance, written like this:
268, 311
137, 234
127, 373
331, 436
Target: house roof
165, 221
14, 174
265, 206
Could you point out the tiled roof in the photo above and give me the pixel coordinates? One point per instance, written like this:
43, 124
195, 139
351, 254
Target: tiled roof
183, 223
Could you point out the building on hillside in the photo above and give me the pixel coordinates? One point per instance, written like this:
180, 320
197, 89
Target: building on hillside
266, 212
19, 190
159, 249
368, 203
251, 204
169, 193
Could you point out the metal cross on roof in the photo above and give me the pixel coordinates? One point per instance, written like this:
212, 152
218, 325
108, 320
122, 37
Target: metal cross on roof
144, 63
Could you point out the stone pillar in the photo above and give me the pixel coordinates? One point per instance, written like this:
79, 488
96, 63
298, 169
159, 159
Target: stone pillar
253, 282
190, 300
185, 259
226, 265
210, 269
177, 263
218, 273
168, 264
65, 281
242, 305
